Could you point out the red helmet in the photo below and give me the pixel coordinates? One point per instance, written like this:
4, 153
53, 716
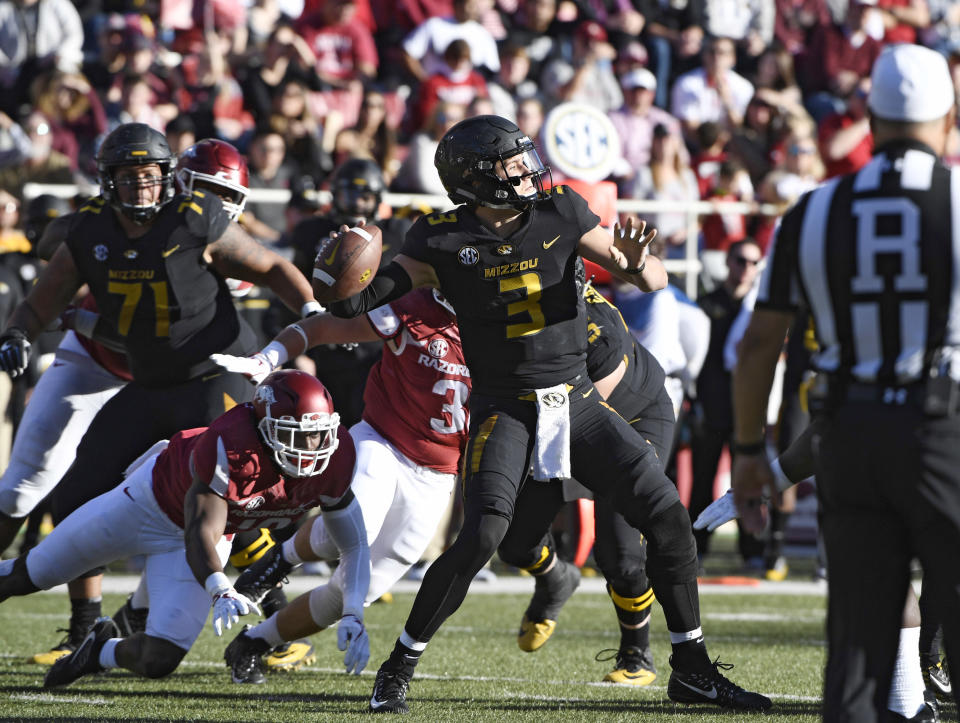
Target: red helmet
297, 421
221, 167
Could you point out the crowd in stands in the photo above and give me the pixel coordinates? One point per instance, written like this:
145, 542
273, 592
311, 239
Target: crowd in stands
751, 100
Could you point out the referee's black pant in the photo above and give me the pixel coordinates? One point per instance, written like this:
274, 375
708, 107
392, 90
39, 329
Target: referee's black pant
888, 478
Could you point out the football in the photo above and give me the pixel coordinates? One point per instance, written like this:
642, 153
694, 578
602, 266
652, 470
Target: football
346, 263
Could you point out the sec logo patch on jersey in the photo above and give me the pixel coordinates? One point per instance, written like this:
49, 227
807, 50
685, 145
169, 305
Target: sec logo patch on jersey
438, 348
100, 252
468, 255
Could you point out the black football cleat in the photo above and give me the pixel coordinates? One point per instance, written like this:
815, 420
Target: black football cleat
85, 660
262, 576
244, 657
390, 691
937, 680
131, 620
712, 687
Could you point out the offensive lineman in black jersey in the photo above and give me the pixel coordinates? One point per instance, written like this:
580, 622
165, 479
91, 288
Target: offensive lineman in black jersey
505, 260
155, 262
631, 380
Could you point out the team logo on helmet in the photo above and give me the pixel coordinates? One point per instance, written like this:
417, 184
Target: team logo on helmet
468, 255
504, 250
554, 400
265, 394
253, 503
100, 252
438, 348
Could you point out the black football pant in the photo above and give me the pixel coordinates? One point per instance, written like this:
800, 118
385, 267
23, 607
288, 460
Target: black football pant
607, 456
619, 549
888, 479
133, 420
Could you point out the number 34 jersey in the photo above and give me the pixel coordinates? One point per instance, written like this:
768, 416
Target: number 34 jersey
416, 394
522, 322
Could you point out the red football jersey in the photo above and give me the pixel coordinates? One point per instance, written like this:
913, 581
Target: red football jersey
416, 395
230, 457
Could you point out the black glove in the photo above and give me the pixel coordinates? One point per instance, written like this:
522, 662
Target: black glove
14, 351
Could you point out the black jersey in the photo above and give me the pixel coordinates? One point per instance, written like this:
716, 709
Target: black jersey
609, 343
171, 309
522, 323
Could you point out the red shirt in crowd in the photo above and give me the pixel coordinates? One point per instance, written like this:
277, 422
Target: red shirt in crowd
853, 161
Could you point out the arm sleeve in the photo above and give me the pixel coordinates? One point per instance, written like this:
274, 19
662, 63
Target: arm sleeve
346, 529
388, 285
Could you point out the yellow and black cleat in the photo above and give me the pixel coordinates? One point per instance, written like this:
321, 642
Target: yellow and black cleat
291, 656
49, 657
534, 634
778, 571
633, 667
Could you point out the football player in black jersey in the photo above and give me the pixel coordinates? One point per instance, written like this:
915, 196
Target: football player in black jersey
505, 259
631, 380
155, 262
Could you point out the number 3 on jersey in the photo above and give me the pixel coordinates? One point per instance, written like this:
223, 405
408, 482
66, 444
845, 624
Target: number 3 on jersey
530, 283
457, 407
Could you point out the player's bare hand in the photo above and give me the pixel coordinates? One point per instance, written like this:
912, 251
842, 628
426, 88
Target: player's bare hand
631, 245
752, 481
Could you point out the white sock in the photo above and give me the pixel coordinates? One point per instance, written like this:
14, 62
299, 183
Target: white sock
676, 638
108, 654
141, 598
409, 642
906, 687
289, 552
267, 630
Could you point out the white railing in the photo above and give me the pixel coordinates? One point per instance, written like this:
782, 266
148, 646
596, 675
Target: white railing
689, 267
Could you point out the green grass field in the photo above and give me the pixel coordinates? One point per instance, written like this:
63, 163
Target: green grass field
472, 671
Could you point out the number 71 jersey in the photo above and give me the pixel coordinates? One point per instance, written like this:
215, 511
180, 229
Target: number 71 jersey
416, 395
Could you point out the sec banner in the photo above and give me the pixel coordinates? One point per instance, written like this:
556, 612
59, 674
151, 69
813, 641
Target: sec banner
580, 142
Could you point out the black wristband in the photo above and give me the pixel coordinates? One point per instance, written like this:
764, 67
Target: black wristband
638, 270
752, 449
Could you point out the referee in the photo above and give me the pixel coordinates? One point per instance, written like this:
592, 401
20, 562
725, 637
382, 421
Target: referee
875, 258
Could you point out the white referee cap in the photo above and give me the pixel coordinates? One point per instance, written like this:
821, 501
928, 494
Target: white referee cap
910, 83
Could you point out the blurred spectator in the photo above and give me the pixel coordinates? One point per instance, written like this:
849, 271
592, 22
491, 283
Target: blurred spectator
345, 51
39, 162
284, 57
395, 19
776, 82
800, 171
749, 24
423, 48
181, 133
513, 82
720, 230
712, 140
795, 22
457, 82
752, 143
636, 120
535, 28
675, 39
266, 221
839, 57
714, 408
713, 92
136, 105
417, 173
309, 142
530, 118
35, 36
371, 137
845, 139
943, 32
588, 76
667, 177
139, 58
12, 237
75, 114
631, 56
902, 19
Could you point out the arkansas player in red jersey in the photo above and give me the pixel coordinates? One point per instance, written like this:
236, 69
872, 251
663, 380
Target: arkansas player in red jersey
261, 464
409, 443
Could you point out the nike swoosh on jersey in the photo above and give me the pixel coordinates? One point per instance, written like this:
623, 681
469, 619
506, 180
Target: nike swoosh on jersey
710, 693
333, 254
169, 252
587, 394
548, 244
126, 491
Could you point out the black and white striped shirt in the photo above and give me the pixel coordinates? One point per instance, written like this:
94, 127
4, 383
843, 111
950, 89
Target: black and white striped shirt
875, 258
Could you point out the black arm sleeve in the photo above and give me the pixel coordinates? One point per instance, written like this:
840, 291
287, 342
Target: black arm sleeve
389, 284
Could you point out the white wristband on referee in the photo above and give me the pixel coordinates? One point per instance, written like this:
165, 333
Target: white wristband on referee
311, 307
275, 353
780, 479
217, 582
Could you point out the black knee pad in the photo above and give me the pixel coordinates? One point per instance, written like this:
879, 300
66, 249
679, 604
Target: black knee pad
478, 539
671, 550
